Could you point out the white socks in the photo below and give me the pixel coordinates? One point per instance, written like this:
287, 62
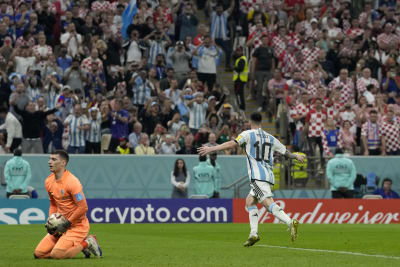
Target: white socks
279, 213
253, 218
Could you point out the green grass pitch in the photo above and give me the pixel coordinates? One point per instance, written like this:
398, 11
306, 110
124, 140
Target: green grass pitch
214, 245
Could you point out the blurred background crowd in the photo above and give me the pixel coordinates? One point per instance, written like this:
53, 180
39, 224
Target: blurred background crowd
149, 76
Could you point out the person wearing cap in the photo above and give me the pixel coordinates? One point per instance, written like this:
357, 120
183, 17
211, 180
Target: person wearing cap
240, 76
180, 61
123, 147
17, 173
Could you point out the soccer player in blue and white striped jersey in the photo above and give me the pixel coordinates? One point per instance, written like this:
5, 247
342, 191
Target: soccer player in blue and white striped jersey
259, 147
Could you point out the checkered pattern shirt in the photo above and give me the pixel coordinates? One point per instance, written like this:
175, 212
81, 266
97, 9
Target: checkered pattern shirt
300, 110
333, 110
21, 42
246, 5
42, 51
298, 43
101, 6
347, 91
310, 55
362, 84
388, 39
82, 12
279, 44
256, 36
325, 146
314, 33
86, 64
391, 132
316, 120
346, 25
354, 32
290, 63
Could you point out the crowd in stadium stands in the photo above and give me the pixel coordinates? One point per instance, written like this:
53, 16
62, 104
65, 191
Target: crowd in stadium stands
75, 75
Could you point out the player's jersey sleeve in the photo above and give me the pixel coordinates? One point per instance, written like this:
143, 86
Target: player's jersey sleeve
75, 189
278, 146
242, 138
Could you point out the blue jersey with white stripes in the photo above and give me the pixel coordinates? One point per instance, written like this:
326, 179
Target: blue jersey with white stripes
260, 147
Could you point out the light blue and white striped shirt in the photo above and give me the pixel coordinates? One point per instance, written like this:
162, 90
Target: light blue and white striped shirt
155, 49
219, 29
141, 91
76, 136
197, 115
93, 135
260, 147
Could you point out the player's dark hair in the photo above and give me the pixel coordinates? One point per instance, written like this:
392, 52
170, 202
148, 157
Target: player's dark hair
62, 153
202, 158
373, 111
256, 117
176, 169
17, 152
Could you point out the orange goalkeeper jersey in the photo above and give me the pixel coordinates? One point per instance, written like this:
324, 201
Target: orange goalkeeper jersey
66, 197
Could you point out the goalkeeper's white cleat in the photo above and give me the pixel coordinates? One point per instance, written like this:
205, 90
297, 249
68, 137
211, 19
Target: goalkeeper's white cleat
293, 229
94, 247
251, 241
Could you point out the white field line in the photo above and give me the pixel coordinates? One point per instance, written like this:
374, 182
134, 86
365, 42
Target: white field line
333, 251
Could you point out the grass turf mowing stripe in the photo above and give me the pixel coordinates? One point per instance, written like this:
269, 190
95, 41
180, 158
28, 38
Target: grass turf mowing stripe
333, 251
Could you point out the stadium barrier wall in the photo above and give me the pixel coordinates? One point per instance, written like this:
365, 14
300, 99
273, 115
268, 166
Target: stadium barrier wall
132, 176
130, 211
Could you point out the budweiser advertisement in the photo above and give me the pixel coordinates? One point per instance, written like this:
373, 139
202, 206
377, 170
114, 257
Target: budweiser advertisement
324, 211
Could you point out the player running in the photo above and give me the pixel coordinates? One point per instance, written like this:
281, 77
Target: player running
67, 198
260, 147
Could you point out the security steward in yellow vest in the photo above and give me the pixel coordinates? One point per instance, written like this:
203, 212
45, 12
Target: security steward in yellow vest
240, 76
299, 170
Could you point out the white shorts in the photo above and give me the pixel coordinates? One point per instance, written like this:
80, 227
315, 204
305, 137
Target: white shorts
260, 190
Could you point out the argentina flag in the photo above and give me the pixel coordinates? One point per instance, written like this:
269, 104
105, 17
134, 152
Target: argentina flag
127, 17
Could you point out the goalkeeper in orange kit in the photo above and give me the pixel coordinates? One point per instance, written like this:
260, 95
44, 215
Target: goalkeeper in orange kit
67, 198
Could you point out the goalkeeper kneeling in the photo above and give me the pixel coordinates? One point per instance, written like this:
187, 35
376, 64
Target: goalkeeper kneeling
68, 232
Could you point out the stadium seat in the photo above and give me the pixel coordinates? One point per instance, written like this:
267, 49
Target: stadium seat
19, 197
198, 197
372, 197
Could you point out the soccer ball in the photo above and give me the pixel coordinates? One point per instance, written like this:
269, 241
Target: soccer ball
55, 220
